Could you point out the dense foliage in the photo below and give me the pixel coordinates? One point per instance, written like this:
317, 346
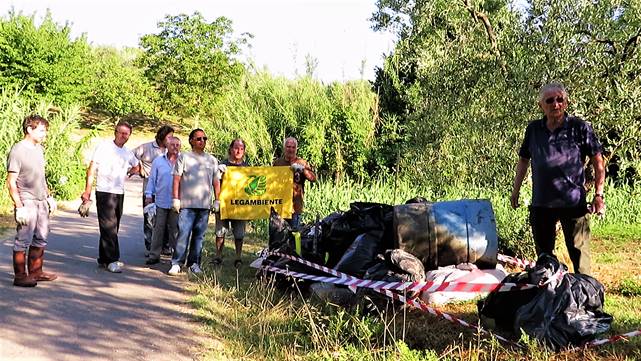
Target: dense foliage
191, 62
120, 88
63, 149
43, 60
463, 80
335, 123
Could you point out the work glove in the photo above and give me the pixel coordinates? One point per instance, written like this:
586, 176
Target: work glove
83, 210
222, 168
150, 210
53, 206
297, 167
175, 205
215, 207
21, 216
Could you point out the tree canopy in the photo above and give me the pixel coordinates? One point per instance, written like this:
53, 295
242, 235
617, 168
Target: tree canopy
191, 61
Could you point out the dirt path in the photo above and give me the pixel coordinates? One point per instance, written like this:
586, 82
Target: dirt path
89, 313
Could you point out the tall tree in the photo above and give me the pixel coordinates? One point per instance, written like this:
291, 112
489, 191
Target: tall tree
191, 61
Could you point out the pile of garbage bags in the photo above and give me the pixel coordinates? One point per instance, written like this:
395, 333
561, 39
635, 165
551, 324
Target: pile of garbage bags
374, 241
567, 311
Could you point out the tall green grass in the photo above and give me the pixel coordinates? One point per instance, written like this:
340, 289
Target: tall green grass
326, 196
63, 147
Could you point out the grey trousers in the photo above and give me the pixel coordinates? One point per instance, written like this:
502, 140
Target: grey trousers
166, 227
35, 232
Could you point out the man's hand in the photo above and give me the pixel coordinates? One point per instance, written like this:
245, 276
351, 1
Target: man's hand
53, 206
222, 168
148, 201
598, 206
216, 206
514, 200
150, 209
297, 167
175, 205
83, 210
21, 216
85, 196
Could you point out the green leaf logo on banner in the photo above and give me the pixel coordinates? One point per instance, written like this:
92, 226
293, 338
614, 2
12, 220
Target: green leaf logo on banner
257, 185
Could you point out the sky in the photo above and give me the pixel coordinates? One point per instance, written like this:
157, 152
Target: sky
337, 33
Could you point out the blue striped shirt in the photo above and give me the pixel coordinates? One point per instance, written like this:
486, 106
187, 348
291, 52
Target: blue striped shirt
161, 181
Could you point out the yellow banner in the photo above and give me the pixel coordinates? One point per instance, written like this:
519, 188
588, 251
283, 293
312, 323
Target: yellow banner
250, 192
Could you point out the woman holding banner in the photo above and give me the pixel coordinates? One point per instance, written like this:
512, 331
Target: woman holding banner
236, 155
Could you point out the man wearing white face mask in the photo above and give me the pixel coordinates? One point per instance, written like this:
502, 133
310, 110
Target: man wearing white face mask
32, 201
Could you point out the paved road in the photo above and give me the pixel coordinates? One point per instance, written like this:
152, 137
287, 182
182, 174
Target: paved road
89, 313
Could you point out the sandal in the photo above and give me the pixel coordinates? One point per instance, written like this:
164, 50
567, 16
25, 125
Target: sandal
238, 263
217, 261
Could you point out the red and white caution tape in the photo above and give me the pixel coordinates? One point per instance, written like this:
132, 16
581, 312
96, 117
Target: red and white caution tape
612, 339
390, 289
417, 303
523, 263
410, 287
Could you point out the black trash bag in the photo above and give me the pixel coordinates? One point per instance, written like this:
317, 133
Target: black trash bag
499, 309
569, 314
280, 234
340, 232
361, 254
565, 312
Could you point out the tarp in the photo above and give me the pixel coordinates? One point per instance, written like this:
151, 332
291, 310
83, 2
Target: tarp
250, 192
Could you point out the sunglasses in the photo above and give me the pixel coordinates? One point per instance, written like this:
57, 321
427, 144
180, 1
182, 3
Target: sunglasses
199, 139
552, 99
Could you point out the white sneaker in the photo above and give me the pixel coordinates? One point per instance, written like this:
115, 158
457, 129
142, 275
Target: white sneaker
195, 269
115, 267
174, 270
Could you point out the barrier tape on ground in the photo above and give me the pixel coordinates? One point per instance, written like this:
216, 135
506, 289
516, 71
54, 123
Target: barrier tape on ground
423, 307
523, 263
411, 287
389, 291
612, 339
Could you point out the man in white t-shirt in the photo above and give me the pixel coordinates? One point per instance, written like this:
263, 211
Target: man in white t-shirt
110, 164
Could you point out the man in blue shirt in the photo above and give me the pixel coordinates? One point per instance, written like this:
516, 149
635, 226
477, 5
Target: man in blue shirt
159, 189
557, 147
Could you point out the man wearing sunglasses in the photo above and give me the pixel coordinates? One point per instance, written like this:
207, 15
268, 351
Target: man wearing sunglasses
195, 182
557, 146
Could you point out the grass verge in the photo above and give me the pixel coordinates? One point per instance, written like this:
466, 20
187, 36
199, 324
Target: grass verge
248, 318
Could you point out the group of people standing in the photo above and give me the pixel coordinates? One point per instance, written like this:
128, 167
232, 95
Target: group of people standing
182, 188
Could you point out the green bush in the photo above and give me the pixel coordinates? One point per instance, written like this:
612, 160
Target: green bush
43, 60
120, 88
63, 148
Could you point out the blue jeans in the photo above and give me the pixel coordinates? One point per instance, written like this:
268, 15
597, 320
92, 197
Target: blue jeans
192, 224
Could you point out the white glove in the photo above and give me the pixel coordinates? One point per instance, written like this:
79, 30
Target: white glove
175, 204
216, 206
53, 206
297, 167
150, 210
222, 168
22, 216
